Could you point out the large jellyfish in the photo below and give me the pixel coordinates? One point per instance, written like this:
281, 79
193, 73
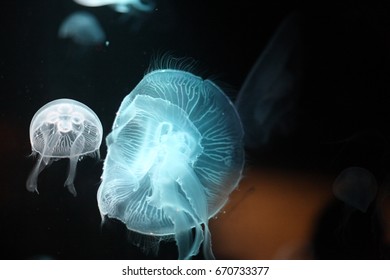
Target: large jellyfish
267, 98
174, 155
83, 28
121, 6
63, 128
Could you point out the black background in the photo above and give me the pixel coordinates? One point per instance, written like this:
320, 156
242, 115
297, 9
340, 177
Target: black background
342, 113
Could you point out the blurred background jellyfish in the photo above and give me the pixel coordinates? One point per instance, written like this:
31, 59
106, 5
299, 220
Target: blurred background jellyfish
121, 6
174, 155
83, 29
351, 226
267, 98
63, 128
356, 186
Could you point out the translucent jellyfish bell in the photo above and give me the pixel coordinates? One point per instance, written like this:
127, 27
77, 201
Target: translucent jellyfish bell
63, 128
121, 6
350, 227
267, 99
174, 155
83, 28
356, 186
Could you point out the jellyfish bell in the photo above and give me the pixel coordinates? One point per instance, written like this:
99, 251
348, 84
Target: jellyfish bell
356, 186
63, 128
175, 153
120, 6
266, 102
82, 28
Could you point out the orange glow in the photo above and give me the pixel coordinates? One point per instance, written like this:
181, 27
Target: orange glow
270, 216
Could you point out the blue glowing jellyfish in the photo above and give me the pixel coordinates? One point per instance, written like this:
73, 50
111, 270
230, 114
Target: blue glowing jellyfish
82, 28
121, 6
63, 128
174, 155
267, 98
356, 186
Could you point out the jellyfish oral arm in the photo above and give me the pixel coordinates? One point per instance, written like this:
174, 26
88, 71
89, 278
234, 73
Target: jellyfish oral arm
196, 196
184, 202
77, 146
32, 181
69, 183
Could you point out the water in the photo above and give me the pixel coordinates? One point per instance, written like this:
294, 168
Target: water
341, 116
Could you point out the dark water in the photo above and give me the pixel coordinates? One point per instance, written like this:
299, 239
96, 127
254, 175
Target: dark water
342, 114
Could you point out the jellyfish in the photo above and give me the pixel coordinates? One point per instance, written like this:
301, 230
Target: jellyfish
175, 153
83, 28
356, 186
267, 99
120, 6
349, 227
63, 128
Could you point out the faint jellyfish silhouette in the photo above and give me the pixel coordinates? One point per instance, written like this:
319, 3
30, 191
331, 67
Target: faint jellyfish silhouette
174, 155
83, 28
356, 186
350, 226
121, 6
63, 128
267, 99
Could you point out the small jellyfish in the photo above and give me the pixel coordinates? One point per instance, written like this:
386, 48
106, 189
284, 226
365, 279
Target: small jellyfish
174, 155
121, 6
63, 128
83, 28
266, 100
349, 227
356, 186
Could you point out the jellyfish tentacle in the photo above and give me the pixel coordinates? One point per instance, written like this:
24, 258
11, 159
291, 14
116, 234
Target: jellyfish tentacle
176, 208
197, 198
207, 248
69, 183
76, 148
188, 244
32, 180
42, 163
183, 236
193, 210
